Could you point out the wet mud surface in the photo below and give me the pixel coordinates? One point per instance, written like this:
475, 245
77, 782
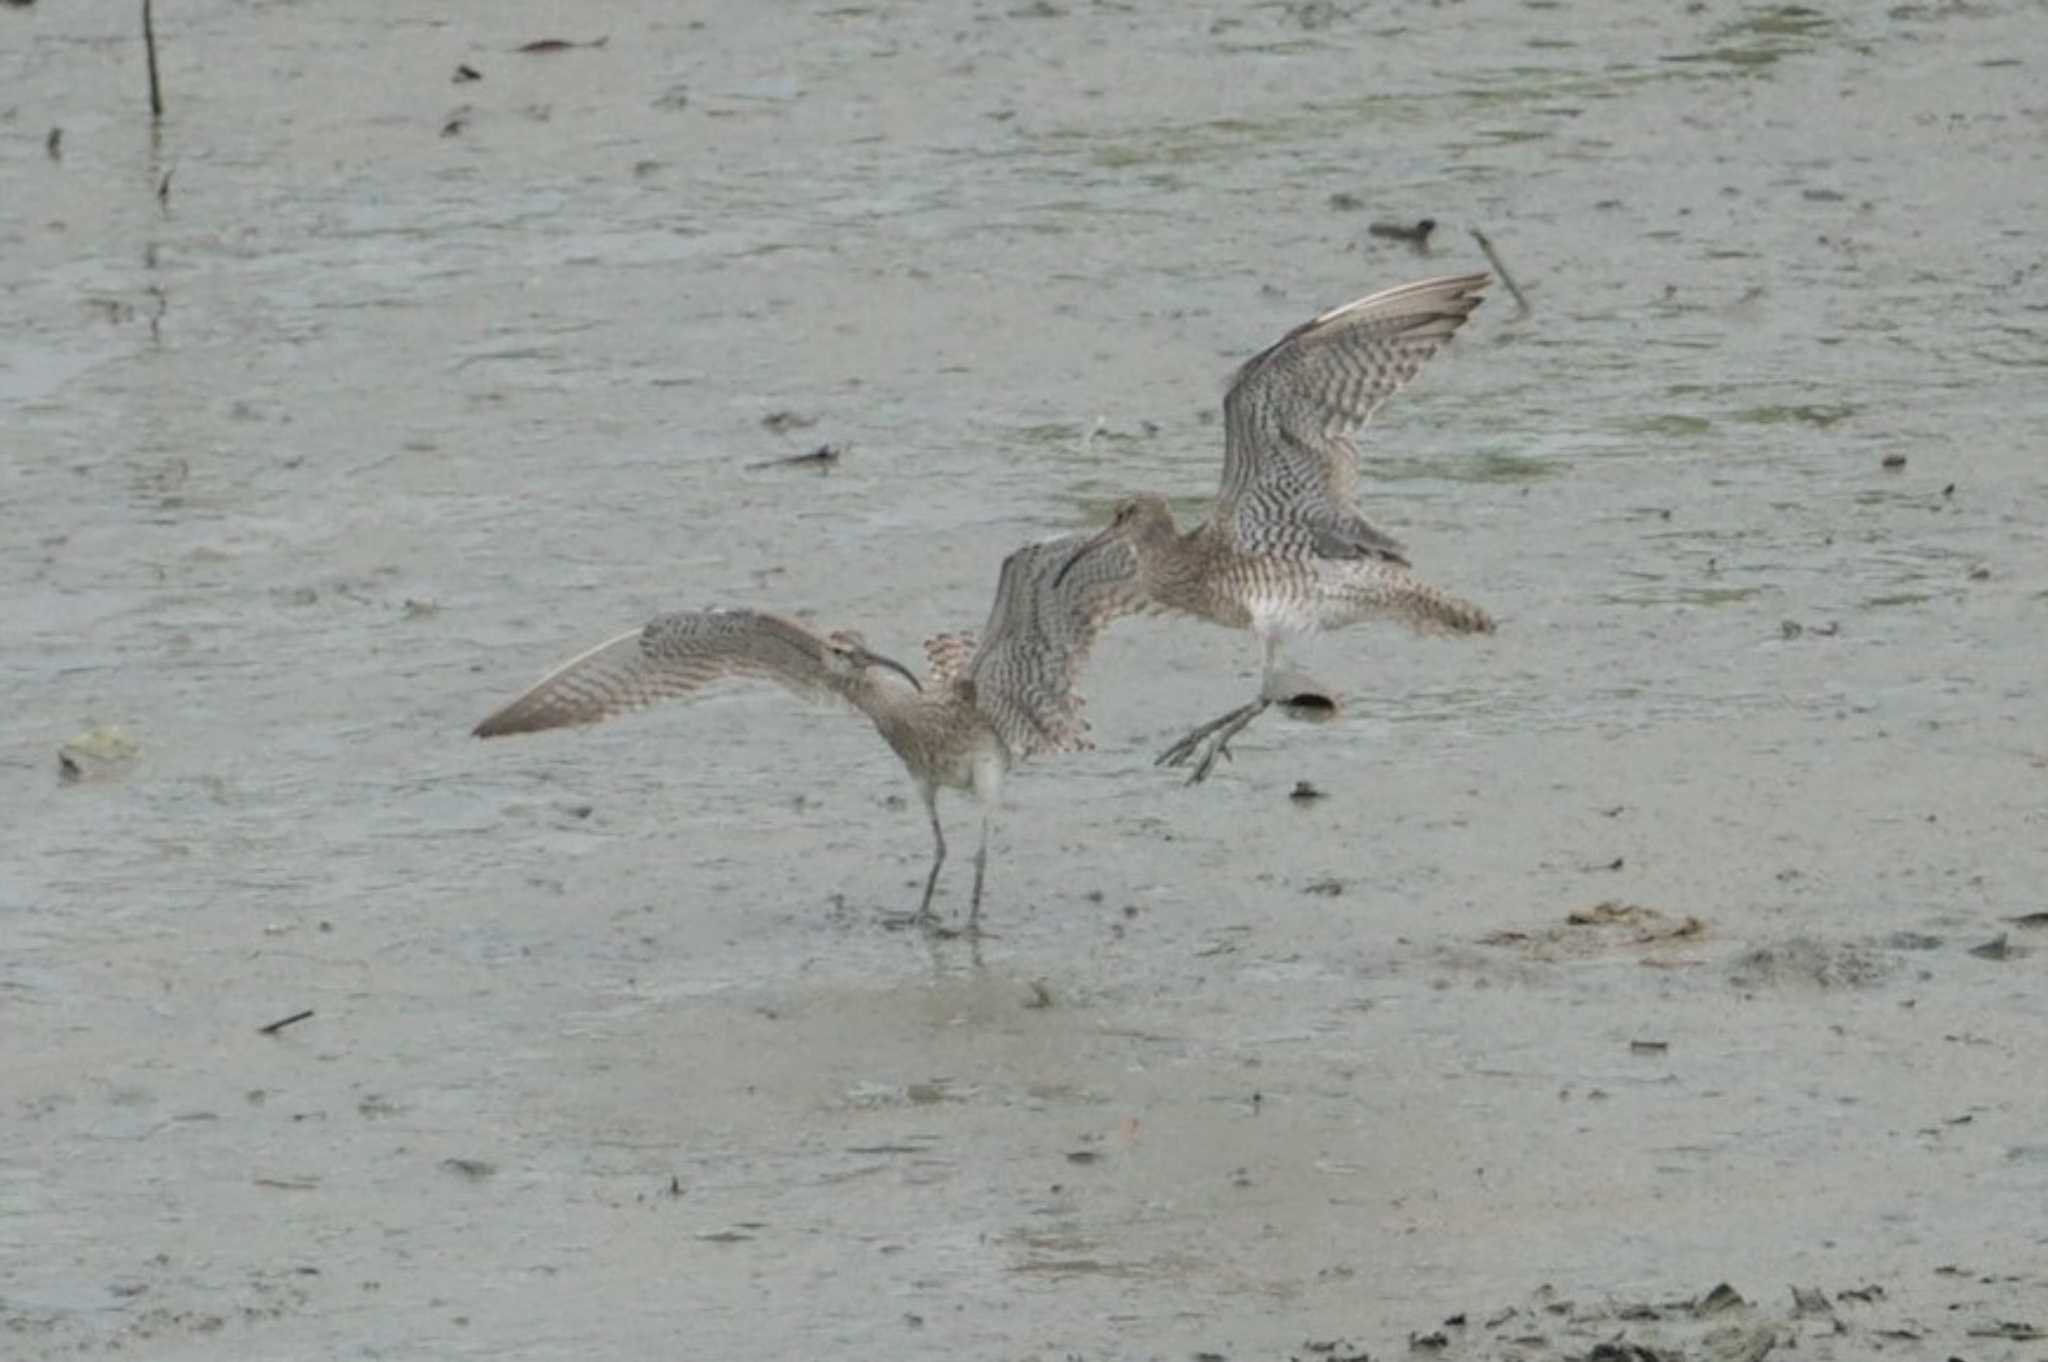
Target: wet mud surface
1686, 932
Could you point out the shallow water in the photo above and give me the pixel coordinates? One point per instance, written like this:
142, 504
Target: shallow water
405, 388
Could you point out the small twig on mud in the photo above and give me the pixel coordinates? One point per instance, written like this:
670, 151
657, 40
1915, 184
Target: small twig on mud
156, 93
1415, 234
824, 456
282, 1022
560, 44
1493, 258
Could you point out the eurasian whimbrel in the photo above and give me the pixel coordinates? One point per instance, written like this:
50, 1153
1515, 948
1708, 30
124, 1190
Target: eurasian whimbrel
1286, 551
983, 708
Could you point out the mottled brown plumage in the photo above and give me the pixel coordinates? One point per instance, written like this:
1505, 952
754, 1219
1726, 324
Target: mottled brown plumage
1286, 552
985, 707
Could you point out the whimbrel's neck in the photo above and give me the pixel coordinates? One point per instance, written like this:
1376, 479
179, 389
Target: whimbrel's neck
938, 734
882, 700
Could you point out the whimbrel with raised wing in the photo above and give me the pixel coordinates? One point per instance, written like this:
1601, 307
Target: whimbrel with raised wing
983, 708
1286, 552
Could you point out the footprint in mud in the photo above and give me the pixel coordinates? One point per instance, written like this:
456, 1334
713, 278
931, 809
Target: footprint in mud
1804, 962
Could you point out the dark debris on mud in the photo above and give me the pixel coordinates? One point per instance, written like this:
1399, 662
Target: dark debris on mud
1720, 1325
1670, 940
824, 456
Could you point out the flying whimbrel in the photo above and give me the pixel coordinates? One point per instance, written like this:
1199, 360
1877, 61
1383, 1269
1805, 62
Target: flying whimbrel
1286, 552
983, 708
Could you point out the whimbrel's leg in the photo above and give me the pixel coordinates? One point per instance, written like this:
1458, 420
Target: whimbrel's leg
931, 881
924, 916
980, 868
1279, 685
1217, 733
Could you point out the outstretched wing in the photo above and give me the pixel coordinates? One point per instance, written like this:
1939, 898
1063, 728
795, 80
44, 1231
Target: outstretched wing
1038, 636
671, 655
1289, 468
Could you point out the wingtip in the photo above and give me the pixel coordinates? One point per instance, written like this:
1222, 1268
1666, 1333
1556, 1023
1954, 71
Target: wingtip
502, 724
1471, 619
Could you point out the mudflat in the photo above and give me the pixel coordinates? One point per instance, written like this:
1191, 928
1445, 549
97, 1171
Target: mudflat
1685, 932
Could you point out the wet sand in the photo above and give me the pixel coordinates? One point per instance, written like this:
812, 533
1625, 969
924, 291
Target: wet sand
1633, 950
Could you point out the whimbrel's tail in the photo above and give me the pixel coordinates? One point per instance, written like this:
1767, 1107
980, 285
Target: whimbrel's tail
1384, 591
949, 655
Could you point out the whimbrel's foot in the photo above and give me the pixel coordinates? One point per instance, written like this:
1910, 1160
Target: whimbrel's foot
924, 919
1219, 746
1217, 734
932, 925
1185, 748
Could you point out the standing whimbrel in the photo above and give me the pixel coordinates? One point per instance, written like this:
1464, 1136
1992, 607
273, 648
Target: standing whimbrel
983, 709
1286, 552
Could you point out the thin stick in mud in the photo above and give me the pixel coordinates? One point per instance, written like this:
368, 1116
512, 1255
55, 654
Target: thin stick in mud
156, 92
282, 1022
1493, 259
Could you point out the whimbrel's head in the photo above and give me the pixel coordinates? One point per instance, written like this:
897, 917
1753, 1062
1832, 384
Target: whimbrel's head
846, 652
1141, 521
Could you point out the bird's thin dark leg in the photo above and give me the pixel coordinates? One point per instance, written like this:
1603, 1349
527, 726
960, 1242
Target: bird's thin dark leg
1278, 685
980, 869
1218, 732
931, 881
924, 916
1219, 746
